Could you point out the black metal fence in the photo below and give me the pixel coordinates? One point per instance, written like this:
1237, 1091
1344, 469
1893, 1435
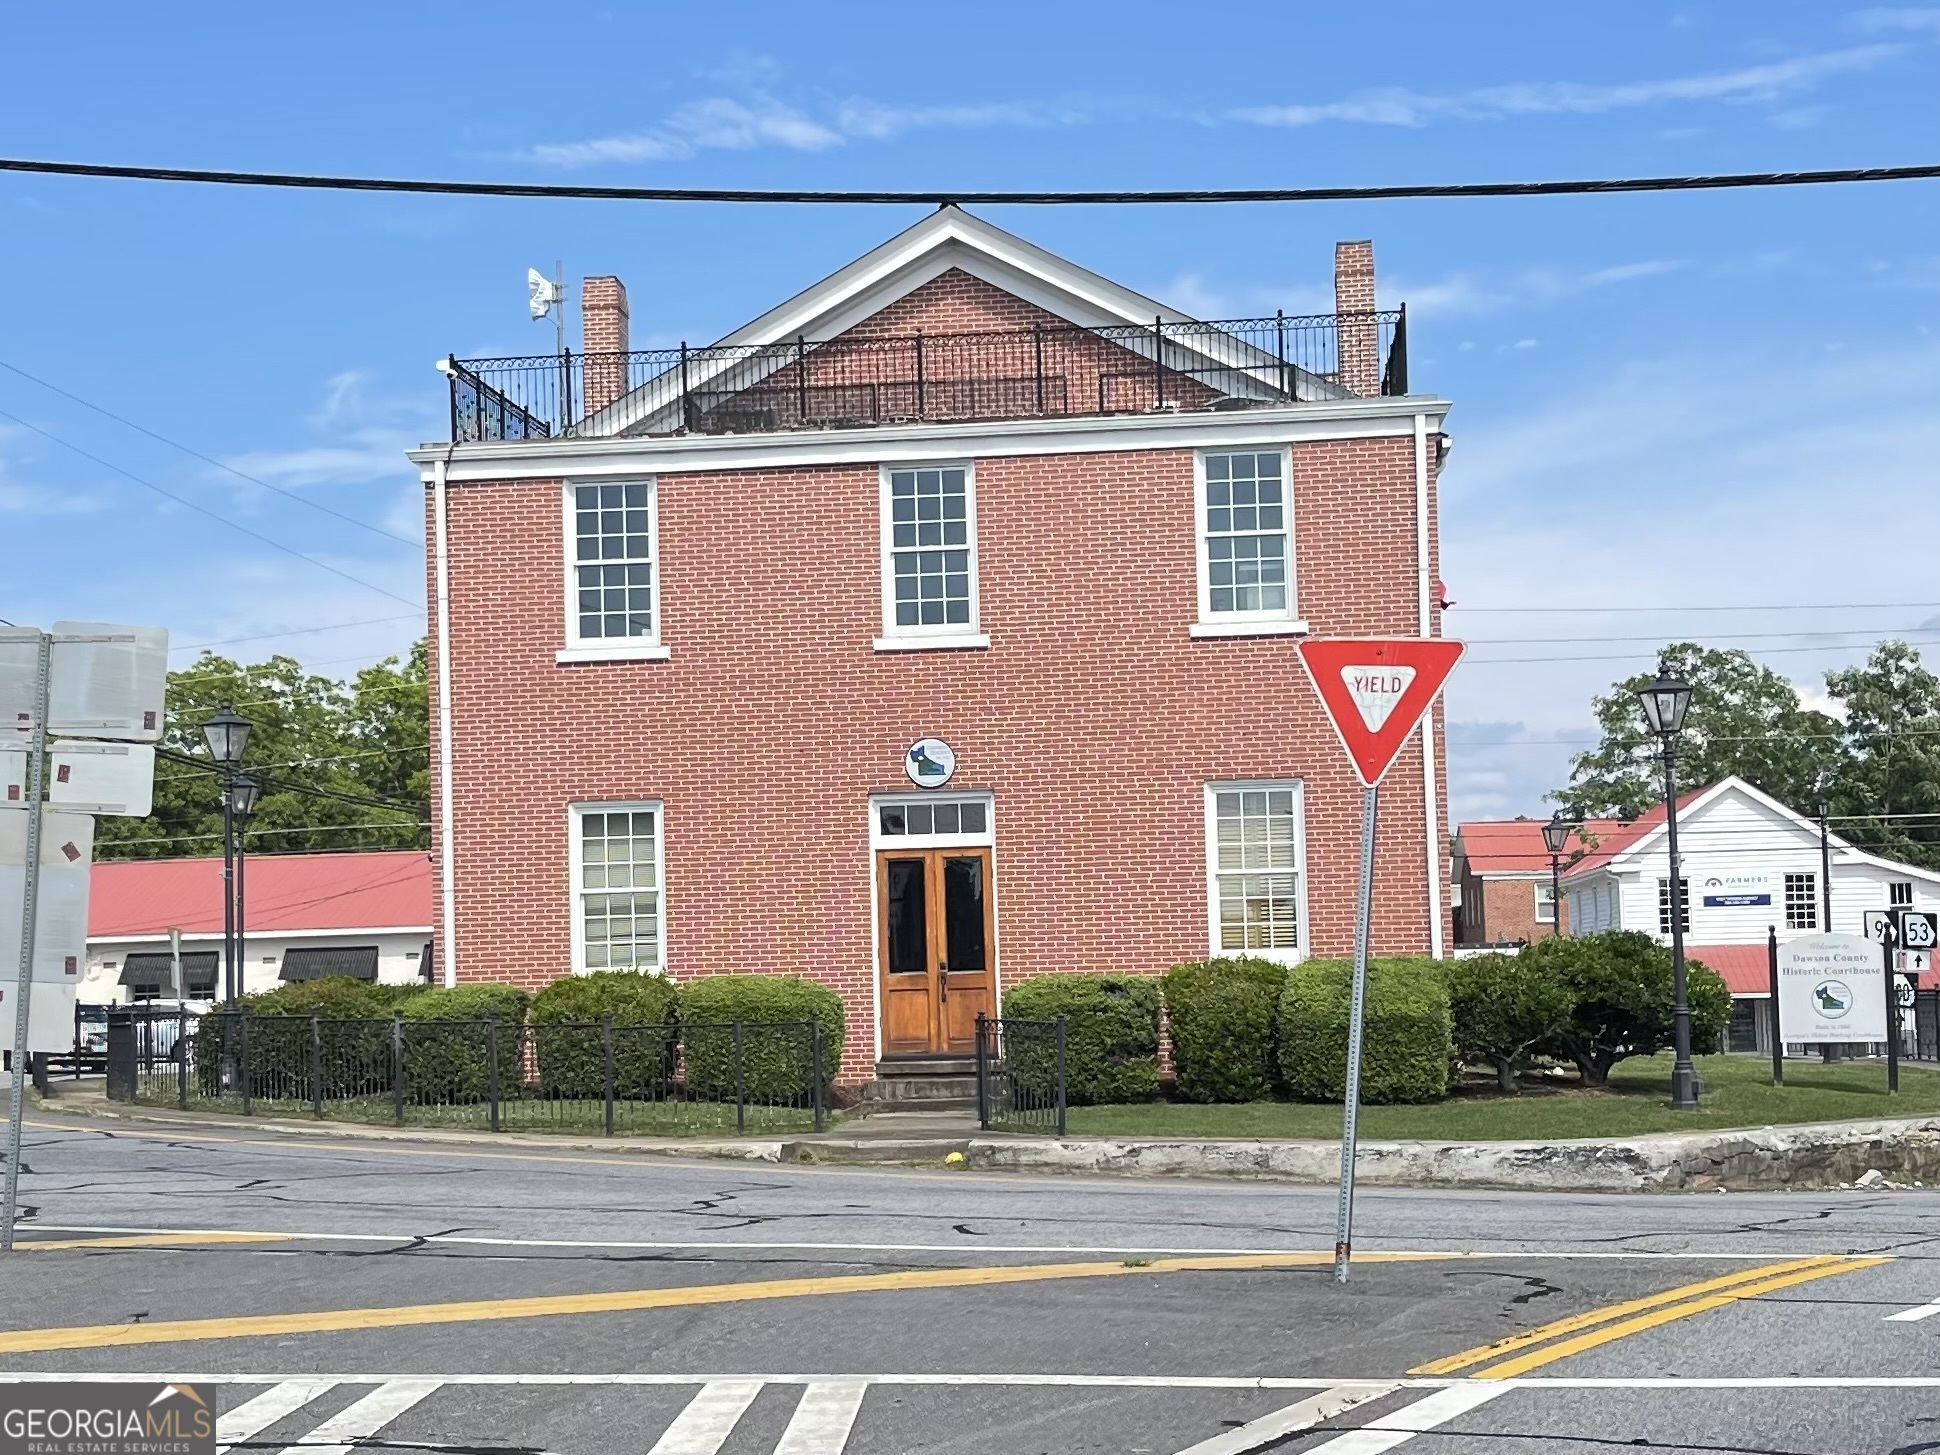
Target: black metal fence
997, 374
1020, 1075
595, 1077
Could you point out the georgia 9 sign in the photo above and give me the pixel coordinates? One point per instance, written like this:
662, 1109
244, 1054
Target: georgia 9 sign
1830, 989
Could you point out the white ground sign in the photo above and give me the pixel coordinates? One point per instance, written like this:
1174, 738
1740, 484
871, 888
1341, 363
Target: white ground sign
1831, 988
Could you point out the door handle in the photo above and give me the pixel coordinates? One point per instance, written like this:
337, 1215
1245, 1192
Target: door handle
943, 976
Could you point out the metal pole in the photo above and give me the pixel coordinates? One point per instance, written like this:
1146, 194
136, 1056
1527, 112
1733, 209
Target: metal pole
1828, 1051
606, 1068
1158, 362
686, 420
740, 1097
1356, 1013
229, 987
815, 1066
29, 903
1060, 1076
1683, 1073
181, 1052
491, 1067
919, 375
397, 1066
983, 1076
801, 378
316, 1065
1037, 350
242, 903
1555, 895
240, 1019
1777, 1031
1889, 941
1280, 345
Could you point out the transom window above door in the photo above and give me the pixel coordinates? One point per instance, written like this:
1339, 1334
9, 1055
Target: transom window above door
933, 819
929, 557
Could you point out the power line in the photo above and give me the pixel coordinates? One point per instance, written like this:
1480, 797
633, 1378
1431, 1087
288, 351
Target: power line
209, 459
318, 182
1784, 606
204, 510
1760, 651
298, 631
1851, 631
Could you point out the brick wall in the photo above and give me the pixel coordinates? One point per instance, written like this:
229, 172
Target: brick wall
1093, 717
604, 338
1503, 909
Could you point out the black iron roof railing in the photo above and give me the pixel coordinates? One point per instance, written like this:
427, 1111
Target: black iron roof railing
860, 379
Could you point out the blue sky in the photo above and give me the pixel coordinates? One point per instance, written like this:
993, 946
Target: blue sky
1724, 400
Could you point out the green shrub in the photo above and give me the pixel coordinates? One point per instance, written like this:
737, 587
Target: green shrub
1111, 1036
1504, 1007
774, 1012
447, 1044
1221, 1016
1621, 982
354, 1032
1406, 1042
569, 1046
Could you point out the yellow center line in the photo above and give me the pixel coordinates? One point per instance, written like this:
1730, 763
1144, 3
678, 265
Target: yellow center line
148, 1240
1510, 1368
1570, 1325
102, 1336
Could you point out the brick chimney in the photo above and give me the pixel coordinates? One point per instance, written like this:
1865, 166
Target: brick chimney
603, 338
1359, 342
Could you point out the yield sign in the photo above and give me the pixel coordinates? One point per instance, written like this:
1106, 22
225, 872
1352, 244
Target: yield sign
1376, 689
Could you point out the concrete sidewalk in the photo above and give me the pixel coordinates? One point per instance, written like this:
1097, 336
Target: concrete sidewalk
1826, 1154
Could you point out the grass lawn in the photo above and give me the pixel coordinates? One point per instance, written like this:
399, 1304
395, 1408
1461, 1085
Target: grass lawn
1736, 1092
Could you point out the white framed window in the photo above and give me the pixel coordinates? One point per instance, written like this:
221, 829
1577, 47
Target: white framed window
1664, 906
1243, 530
1545, 902
612, 572
931, 820
619, 918
929, 558
1899, 892
1801, 901
1256, 862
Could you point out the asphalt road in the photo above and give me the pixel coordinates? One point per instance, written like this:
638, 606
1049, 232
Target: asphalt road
515, 1298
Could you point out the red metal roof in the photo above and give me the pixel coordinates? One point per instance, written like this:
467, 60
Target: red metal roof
387, 890
1515, 845
1747, 968
1624, 835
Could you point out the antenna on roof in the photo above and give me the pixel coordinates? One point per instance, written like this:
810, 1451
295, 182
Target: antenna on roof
548, 295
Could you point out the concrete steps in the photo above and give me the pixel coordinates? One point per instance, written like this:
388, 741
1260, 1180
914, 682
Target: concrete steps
923, 1083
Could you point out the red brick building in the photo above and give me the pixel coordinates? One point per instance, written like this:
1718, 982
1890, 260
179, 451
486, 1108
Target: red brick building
931, 632
1503, 879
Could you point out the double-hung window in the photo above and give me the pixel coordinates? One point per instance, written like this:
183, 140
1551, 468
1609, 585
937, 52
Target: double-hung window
1245, 544
1545, 903
1801, 901
929, 558
619, 922
1664, 906
612, 585
1256, 862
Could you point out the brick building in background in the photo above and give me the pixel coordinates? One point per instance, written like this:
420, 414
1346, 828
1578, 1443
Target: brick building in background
929, 633
1502, 878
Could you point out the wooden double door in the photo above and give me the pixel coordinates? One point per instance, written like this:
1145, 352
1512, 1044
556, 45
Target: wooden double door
936, 946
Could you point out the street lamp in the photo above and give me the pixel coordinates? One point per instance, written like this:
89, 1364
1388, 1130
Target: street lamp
1556, 834
240, 793
226, 734
1665, 702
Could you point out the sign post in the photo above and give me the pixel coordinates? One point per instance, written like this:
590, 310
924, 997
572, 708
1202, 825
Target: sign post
29, 903
1375, 690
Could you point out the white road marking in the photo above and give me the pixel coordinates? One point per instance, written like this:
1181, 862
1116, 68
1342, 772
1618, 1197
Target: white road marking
822, 1421
253, 1416
710, 1417
1914, 1315
355, 1423
1048, 1381
968, 1245
1415, 1419
1289, 1421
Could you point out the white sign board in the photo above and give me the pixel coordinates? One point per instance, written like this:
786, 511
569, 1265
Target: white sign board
61, 919
1725, 890
1831, 988
85, 777
108, 681
50, 1019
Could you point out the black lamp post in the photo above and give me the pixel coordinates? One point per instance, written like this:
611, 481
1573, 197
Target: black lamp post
241, 793
227, 734
1556, 834
1665, 702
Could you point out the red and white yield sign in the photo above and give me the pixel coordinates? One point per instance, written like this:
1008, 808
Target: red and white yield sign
1376, 689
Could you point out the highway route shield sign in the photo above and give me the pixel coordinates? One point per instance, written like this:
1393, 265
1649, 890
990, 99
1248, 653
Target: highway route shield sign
1375, 690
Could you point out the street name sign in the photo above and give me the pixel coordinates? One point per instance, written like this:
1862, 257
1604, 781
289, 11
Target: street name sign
1831, 989
1375, 690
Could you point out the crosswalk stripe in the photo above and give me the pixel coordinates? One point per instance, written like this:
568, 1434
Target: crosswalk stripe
338, 1434
1290, 1420
822, 1421
710, 1417
253, 1416
1408, 1421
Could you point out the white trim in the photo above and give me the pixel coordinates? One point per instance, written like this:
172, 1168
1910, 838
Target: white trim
1430, 796
609, 649
591, 459
1247, 628
575, 848
447, 815
879, 840
651, 652
942, 642
1287, 618
1210, 827
214, 937
941, 634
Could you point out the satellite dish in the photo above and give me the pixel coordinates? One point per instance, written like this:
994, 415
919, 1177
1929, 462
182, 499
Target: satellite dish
545, 293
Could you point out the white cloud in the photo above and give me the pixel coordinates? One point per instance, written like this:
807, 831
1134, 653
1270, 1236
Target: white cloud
363, 440
1455, 295
1900, 18
1398, 107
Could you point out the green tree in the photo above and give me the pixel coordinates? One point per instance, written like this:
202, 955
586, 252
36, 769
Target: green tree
1503, 1007
1745, 720
322, 749
1889, 755
1620, 983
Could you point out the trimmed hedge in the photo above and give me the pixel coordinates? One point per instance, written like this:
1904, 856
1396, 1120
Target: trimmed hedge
1406, 1047
1622, 984
1504, 1008
356, 1048
1221, 1014
774, 1057
567, 1044
1111, 1035
446, 1051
